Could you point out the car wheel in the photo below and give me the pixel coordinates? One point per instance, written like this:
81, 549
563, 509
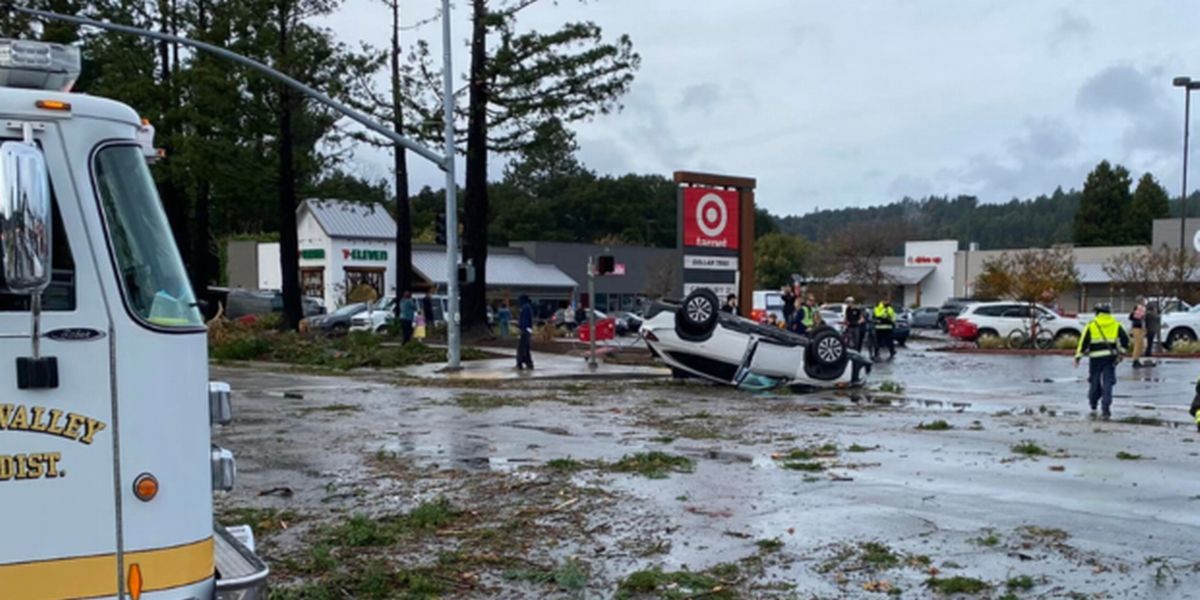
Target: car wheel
825, 357
1181, 334
698, 315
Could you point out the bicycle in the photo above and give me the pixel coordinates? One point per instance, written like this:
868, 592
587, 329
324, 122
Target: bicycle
1033, 335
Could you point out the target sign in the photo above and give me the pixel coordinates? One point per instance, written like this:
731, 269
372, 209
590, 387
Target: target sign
710, 218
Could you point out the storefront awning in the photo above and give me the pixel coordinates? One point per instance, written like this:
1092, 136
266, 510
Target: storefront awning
508, 270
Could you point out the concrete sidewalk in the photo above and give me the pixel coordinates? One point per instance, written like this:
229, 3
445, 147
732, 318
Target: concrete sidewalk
547, 366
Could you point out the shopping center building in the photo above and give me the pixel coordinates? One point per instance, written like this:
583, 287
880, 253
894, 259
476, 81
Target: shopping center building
932, 271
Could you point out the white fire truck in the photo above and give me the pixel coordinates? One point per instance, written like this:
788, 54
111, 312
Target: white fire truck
107, 469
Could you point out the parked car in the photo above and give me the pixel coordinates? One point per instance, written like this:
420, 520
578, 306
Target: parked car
766, 301
1180, 327
695, 338
337, 321
377, 316
627, 322
951, 309
1002, 319
558, 319
925, 317
240, 303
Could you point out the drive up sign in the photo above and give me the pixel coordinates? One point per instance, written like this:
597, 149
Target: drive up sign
710, 218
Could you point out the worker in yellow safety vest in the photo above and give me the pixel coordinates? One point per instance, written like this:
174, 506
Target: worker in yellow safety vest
885, 320
1103, 341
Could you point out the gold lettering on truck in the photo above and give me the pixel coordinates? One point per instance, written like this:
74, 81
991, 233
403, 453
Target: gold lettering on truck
46, 421
38, 419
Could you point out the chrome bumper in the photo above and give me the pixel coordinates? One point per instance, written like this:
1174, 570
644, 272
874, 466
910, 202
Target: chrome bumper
240, 574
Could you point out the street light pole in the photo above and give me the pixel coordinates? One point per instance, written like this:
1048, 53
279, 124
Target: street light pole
453, 333
1188, 85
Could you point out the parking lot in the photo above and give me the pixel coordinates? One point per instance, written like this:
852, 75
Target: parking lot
966, 473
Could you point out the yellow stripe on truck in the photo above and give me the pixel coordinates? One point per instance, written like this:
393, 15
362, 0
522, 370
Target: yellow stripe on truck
95, 576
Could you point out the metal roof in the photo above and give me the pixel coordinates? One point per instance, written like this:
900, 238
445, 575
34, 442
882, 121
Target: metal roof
895, 275
505, 269
342, 219
1092, 273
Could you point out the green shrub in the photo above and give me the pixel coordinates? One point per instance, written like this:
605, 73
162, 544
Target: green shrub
1066, 342
992, 342
1182, 347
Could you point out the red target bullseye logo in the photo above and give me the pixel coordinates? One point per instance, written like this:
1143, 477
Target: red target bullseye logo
711, 215
710, 218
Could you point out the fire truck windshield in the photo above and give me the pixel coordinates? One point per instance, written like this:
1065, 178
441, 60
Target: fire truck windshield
153, 281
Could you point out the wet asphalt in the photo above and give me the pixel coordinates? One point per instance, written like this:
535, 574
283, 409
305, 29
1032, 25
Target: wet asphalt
1113, 523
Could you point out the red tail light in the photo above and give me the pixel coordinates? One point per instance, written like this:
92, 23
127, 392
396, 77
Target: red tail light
649, 335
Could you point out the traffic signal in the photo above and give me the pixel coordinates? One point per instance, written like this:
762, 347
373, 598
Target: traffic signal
605, 264
439, 228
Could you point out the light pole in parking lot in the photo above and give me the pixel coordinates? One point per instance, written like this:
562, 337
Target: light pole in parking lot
1188, 85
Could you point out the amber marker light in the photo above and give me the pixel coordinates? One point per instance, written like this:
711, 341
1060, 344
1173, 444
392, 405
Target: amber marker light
53, 105
135, 581
145, 487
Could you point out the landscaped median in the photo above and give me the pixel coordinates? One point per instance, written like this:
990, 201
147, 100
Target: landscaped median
263, 341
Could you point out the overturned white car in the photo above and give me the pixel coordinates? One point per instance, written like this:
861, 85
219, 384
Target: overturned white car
694, 338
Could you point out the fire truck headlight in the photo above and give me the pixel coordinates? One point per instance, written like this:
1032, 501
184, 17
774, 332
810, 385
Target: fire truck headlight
224, 469
220, 409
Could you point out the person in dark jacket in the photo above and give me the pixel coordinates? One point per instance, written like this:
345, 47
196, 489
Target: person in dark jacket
1153, 327
730, 305
525, 325
427, 311
855, 322
789, 303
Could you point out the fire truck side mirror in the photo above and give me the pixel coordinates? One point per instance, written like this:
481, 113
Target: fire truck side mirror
25, 218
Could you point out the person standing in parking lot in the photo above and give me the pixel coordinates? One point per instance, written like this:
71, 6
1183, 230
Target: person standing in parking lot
1137, 322
525, 325
1153, 328
854, 324
789, 303
730, 305
1103, 341
408, 314
885, 320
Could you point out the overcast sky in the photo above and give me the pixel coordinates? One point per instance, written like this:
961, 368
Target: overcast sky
830, 104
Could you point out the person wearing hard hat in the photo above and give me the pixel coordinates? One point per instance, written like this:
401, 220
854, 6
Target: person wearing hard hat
1103, 341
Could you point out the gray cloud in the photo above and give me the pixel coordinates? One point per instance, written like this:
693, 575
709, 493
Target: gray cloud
1044, 138
1069, 27
701, 96
1120, 88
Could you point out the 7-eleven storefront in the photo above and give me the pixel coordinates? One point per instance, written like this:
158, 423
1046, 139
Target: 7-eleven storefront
342, 246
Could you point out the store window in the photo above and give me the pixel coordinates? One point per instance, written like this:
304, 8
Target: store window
312, 281
356, 276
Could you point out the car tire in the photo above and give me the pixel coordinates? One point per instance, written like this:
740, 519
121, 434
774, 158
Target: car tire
826, 356
1179, 334
697, 317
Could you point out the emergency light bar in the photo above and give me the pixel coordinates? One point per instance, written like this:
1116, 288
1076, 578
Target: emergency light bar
38, 65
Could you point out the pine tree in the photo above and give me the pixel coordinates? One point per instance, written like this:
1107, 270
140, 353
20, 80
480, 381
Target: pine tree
1104, 207
517, 82
1150, 202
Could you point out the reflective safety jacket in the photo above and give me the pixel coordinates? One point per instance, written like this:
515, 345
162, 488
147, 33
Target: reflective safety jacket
885, 316
807, 319
1103, 337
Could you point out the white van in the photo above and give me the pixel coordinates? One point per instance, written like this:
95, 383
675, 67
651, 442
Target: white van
767, 301
106, 454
